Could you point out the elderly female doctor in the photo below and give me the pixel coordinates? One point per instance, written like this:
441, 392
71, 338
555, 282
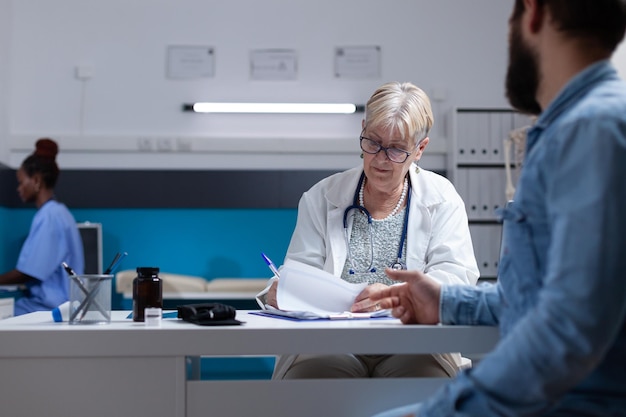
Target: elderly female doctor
387, 213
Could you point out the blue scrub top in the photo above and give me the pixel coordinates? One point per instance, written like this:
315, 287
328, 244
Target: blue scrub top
53, 239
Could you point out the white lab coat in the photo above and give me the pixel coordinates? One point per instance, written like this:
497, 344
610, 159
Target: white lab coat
438, 238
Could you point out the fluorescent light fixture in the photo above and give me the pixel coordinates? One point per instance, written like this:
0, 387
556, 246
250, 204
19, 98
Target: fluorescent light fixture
318, 108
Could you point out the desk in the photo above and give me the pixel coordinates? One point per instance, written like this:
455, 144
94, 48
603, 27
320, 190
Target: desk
8, 295
7, 307
128, 369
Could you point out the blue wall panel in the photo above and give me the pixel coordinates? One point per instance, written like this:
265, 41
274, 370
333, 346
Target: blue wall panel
14, 226
205, 242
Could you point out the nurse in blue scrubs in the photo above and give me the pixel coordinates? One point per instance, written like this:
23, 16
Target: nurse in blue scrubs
53, 236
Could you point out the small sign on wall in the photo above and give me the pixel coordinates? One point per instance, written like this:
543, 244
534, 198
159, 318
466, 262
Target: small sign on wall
189, 62
273, 64
357, 62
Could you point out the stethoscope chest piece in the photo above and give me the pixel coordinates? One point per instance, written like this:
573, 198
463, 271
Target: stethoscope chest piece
398, 266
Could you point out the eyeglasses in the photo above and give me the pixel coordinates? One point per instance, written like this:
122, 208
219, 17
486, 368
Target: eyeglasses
394, 154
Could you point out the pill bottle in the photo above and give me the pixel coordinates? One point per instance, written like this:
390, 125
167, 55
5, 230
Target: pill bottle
147, 291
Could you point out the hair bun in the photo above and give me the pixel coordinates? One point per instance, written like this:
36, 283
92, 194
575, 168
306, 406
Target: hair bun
46, 148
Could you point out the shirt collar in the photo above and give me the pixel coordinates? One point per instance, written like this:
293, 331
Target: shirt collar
579, 85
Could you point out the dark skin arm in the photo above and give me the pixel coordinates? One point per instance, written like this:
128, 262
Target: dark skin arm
15, 277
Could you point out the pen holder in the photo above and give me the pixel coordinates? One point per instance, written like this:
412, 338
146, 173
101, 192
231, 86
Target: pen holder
90, 299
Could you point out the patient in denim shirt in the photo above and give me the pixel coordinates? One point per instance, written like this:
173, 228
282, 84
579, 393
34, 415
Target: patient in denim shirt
560, 299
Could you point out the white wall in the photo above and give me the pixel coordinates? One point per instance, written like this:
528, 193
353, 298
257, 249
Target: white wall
619, 59
5, 33
453, 49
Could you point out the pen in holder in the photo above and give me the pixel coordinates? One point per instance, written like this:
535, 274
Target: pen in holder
90, 299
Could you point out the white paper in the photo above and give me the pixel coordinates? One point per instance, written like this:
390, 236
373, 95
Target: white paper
307, 315
302, 287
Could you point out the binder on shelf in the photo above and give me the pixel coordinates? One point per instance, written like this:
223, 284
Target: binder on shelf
486, 192
474, 195
483, 140
500, 126
461, 184
496, 243
477, 169
486, 242
461, 126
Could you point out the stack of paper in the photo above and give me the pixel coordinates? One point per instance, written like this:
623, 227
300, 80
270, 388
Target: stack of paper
308, 293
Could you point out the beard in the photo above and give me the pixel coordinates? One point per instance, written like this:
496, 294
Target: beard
522, 77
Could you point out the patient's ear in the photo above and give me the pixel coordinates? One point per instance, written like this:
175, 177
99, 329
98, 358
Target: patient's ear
536, 15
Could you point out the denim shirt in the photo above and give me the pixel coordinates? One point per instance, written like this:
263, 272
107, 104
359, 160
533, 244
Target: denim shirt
560, 299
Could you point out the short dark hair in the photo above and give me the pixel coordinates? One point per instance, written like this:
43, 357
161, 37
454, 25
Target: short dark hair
602, 21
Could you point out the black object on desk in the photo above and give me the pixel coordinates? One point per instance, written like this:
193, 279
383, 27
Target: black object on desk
209, 314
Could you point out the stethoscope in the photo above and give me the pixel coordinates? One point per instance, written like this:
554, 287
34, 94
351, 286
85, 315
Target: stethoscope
356, 206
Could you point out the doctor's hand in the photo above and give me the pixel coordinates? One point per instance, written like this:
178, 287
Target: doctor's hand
415, 301
270, 297
363, 303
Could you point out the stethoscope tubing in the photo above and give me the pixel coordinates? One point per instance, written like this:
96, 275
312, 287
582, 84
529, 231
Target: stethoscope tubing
356, 206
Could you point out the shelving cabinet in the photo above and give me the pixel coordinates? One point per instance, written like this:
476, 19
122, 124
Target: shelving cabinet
476, 166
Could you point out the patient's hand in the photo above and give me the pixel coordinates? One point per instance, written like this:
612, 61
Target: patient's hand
363, 303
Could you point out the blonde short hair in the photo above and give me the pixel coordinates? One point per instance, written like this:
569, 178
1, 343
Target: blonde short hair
403, 107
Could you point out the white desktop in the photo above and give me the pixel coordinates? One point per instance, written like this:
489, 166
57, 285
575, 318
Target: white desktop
127, 368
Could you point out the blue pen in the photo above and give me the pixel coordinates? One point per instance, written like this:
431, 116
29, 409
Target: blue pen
271, 265
115, 263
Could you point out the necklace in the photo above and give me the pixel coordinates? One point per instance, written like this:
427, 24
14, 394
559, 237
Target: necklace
396, 208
